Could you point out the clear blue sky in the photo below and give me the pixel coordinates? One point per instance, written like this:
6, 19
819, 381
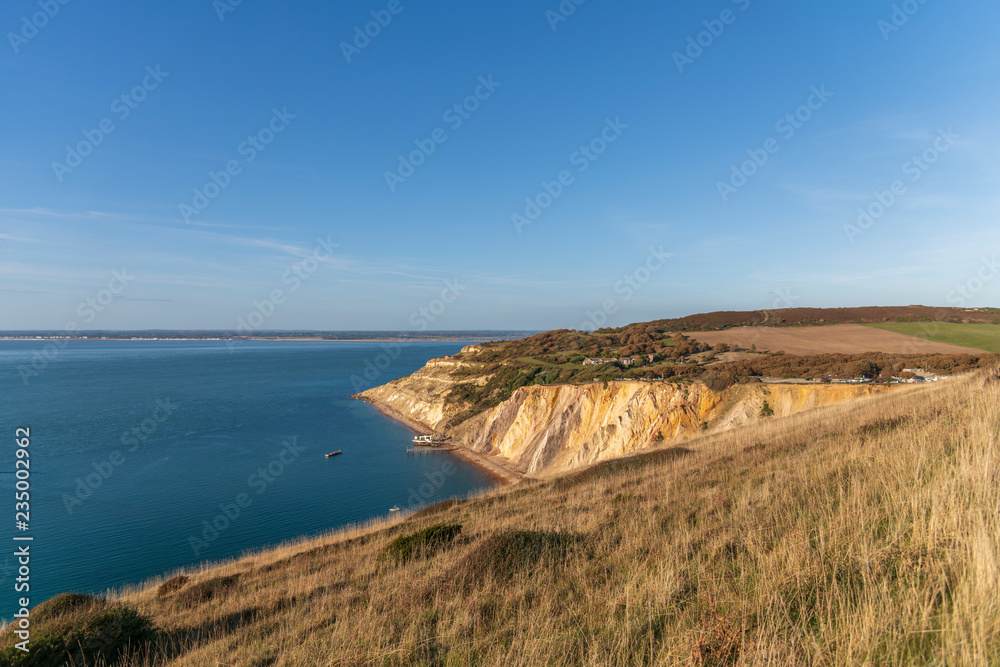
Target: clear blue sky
930, 86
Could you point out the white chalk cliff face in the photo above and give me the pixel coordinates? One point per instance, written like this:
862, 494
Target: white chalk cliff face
542, 430
422, 396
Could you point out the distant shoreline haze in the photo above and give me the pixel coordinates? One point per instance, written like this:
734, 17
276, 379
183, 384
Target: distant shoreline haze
375, 336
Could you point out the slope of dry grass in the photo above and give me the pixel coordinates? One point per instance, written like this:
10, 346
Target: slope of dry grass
858, 534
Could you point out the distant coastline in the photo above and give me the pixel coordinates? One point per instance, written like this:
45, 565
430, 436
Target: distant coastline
290, 336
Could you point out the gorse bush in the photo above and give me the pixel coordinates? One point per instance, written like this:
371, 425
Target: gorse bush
422, 543
73, 629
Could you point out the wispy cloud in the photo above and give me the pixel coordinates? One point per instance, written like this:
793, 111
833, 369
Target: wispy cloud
139, 298
42, 213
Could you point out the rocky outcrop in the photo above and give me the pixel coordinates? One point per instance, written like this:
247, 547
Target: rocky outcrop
548, 429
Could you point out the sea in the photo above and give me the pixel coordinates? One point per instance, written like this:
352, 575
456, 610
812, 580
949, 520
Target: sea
148, 456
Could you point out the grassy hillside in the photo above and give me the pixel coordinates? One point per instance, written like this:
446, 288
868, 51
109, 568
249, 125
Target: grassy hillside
493, 371
980, 336
860, 534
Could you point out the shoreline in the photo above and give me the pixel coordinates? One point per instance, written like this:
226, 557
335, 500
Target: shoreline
254, 340
499, 473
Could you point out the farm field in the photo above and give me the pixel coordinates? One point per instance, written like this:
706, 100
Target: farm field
833, 339
979, 336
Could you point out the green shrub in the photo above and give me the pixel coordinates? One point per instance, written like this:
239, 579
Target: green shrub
77, 629
422, 543
59, 605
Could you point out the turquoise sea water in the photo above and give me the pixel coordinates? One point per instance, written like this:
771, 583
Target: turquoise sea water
149, 456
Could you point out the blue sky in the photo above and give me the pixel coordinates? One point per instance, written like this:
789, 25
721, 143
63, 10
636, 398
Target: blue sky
874, 84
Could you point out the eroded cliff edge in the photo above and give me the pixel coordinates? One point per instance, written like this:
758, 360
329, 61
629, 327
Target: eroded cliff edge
545, 429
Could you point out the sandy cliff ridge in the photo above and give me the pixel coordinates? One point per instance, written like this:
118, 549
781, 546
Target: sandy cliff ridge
548, 429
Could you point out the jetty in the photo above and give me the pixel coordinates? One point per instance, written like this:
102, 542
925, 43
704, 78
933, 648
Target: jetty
430, 450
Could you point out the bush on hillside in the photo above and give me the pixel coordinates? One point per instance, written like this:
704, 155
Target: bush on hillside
78, 630
422, 543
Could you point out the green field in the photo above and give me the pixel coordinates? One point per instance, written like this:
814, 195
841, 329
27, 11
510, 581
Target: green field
980, 336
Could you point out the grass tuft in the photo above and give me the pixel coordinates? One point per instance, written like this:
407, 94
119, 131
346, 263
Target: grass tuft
619, 467
204, 591
504, 555
171, 585
879, 427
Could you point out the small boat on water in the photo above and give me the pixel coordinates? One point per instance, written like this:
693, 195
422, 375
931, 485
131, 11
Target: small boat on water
336, 453
394, 508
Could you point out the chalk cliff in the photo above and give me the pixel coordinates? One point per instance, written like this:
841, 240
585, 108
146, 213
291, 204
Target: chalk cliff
549, 429
421, 397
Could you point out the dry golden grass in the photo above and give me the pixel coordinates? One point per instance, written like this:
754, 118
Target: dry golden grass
866, 533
